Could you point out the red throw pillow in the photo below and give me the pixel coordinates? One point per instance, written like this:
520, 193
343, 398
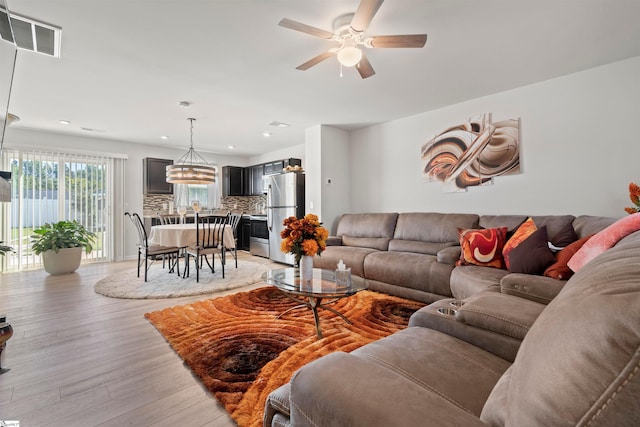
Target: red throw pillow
482, 247
560, 270
533, 255
525, 230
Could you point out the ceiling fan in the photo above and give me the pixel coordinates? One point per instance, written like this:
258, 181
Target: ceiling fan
349, 32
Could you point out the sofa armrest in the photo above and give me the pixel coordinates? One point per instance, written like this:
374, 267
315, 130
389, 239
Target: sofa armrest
334, 241
500, 313
540, 289
341, 389
449, 255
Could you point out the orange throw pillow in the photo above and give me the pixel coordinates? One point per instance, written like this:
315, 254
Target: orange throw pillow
560, 270
525, 230
482, 247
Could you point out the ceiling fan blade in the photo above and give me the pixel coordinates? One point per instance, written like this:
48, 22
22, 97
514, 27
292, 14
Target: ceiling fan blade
408, 40
304, 28
364, 14
315, 60
364, 68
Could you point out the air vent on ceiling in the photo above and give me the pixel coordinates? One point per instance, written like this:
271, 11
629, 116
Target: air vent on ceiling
29, 34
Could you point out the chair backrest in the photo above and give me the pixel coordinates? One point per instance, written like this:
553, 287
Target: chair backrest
234, 220
210, 230
168, 218
142, 233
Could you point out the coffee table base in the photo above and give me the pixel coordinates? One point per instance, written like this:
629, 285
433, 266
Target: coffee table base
314, 303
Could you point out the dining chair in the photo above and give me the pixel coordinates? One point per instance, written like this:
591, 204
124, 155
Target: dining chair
168, 218
209, 241
234, 220
153, 252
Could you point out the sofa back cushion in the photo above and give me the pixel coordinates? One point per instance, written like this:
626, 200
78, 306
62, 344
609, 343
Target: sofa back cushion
367, 230
432, 226
559, 228
512, 222
580, 362
586, 225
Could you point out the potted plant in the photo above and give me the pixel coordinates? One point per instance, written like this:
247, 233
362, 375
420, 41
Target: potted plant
61, 245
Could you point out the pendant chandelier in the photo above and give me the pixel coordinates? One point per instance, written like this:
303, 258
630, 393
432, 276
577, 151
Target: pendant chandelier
191, 168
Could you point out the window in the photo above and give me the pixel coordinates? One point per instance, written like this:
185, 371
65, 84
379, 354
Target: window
206, 195
50, 187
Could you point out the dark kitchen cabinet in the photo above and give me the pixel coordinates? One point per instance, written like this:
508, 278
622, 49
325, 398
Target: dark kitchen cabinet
257, 171
244, 234
232, 181
155, 176
277, 166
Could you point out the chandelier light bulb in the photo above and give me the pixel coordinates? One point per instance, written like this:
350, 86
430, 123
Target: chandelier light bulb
349, 56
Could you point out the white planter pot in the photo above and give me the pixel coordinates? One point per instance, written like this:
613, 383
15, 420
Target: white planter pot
65, 261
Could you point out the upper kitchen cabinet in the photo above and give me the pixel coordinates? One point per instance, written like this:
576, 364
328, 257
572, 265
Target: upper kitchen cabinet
277, 166
232, 181
154, 172
253, 183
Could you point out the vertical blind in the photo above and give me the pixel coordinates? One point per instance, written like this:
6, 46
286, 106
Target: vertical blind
49, 187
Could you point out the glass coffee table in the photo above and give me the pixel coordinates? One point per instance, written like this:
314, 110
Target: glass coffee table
320, 292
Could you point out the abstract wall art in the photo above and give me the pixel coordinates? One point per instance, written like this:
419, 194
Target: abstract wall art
472, 153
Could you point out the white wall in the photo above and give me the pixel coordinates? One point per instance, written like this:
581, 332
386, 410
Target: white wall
579, 150
296, 152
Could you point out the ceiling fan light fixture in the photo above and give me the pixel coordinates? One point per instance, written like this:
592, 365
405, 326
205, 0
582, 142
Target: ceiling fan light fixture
191, 168
349, 56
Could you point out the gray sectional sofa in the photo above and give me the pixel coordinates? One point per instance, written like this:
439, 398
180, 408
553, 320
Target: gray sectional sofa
413, 255
520, 351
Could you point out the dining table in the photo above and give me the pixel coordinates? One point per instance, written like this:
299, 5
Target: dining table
183, 235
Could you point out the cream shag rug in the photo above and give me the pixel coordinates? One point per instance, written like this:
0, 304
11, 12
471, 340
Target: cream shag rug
162, 284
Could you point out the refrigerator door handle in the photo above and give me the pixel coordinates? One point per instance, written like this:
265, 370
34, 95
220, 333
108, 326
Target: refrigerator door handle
269, 212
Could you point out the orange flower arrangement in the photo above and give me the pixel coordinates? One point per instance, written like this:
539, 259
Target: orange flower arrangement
634, 195
304, 236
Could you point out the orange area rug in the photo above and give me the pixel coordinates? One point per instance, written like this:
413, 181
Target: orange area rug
241, 351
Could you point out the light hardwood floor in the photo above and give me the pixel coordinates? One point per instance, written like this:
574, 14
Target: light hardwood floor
78, 358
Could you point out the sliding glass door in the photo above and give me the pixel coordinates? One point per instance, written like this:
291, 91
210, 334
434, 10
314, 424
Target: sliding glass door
50, 187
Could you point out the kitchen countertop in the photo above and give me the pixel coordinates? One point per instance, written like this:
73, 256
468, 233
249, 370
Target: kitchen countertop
154, 214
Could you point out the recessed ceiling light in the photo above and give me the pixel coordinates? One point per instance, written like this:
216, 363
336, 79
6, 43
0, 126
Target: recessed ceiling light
279, 124
64, 122
231, 147
164, 137
266, 134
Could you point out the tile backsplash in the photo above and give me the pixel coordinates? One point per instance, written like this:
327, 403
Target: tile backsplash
244, 203
154, 202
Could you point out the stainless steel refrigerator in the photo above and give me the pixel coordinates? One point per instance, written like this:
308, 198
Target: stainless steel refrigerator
285, 198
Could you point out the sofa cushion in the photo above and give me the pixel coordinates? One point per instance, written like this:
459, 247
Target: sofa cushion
353, 257
560, 270
458, 363
410, 270
525, 230
468, 280
427, 248
432, 227
533, 255
559, 228
586, 225
512, 222
370, 230
427, 378
604, 240
580, 362
482, 247
535, 288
